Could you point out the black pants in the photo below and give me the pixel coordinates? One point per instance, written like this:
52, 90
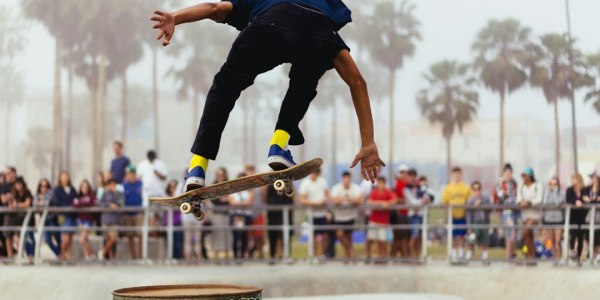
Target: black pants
580, 235
285, 33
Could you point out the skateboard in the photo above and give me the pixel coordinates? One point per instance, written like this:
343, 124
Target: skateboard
282, 181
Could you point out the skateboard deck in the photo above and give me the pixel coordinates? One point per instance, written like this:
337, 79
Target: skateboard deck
241, 184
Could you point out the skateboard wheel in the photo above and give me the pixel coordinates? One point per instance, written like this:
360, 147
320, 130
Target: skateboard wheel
289, 190
199, 216
279, 185
185, 208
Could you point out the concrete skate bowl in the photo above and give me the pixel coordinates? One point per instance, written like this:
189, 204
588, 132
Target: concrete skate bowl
498, 281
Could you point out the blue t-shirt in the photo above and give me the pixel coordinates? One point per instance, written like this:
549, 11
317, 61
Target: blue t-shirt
117, 168
133, 193
246, 10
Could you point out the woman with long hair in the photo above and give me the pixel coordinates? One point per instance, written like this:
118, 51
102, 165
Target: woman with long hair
42, 198
591, 195
172, 190
220, 237
63, 196
21, 199
241, 217
554, 217
578, 235
86, 198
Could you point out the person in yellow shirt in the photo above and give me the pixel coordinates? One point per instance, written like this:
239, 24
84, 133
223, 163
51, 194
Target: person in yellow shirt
456, 193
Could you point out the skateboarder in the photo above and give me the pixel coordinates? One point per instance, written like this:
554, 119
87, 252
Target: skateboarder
300, 32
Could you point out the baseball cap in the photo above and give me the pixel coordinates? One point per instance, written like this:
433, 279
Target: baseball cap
403, 168
131, 169
593, 173
528, 171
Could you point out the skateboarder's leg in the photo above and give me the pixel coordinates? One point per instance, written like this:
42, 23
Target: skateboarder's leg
255, 51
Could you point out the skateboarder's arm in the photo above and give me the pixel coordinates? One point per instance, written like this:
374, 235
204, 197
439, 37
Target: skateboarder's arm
368, 156
166, 22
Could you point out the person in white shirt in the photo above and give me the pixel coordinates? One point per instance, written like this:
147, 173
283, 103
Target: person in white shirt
366, 187
314, 193
529, 194
153, 174
241, 216
346, 196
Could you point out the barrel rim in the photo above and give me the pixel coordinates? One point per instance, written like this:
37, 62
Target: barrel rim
122, 292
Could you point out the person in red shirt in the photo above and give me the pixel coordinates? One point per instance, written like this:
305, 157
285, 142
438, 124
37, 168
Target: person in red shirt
381, 198
400, 217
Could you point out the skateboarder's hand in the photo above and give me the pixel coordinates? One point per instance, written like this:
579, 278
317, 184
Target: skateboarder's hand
370, 163
165, 23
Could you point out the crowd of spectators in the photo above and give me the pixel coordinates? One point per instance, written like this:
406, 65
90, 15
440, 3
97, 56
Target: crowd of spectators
232, 227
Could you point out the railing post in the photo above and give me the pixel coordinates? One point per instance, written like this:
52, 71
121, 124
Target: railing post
170, 234
286, 233
145, 233
39, 237
311, 234
21, 255
566, 233
591, 247
449, 237
424, 227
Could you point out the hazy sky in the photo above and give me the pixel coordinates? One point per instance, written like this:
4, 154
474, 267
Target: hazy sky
448, 29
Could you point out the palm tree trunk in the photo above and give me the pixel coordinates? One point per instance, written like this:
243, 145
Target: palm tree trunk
501, 130
155, 97
124, 108
556, 137
390, 162
7, 131
101, 91
448, 157
69, 131
94, 94
57, 112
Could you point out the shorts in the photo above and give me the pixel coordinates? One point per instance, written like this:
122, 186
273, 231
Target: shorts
483, 237
111, 231
396, 219
377, 232
136, 220
459, 231
84, 223
348, 230
509, 220
12, 220
416, 221
320, 222
68, 224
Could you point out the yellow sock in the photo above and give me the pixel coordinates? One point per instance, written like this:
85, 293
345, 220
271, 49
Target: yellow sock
280, 138
198, 161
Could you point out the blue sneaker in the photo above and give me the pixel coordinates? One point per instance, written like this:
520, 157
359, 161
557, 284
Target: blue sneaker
194, 179
280, 159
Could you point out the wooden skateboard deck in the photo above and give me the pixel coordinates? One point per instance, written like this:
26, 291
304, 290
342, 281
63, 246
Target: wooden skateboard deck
241, 184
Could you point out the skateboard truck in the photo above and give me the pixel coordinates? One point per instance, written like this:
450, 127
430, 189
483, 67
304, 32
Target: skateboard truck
194, 209
284, 187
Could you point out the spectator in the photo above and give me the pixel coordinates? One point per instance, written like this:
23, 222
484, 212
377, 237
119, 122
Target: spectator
101, 181
2, 241
400, 216
111, 199
193, 247
574, 196
530, 194
275, 218
591, 195
19, 199
43, 197
366, 187
220, 237
417, 193
314, 193
346, 196
241, 217
173, 188
554, 217
479, 217
133, 199
153, 173
457, 193
63, 196
85, 199
505, 194
10, 176
379, 221
256, 238
119, 164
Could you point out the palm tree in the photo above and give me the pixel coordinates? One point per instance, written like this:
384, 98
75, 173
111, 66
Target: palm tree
393, 32
550, 72
593, 61
11, 35
12, 87
449, 100
501, 48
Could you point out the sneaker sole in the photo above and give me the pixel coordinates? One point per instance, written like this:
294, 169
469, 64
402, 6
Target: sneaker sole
194, 183
278, 163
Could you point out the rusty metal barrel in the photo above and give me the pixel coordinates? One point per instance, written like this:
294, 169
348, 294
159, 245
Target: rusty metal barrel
189, 291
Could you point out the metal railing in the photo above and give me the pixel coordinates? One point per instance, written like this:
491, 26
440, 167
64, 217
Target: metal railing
169, 229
